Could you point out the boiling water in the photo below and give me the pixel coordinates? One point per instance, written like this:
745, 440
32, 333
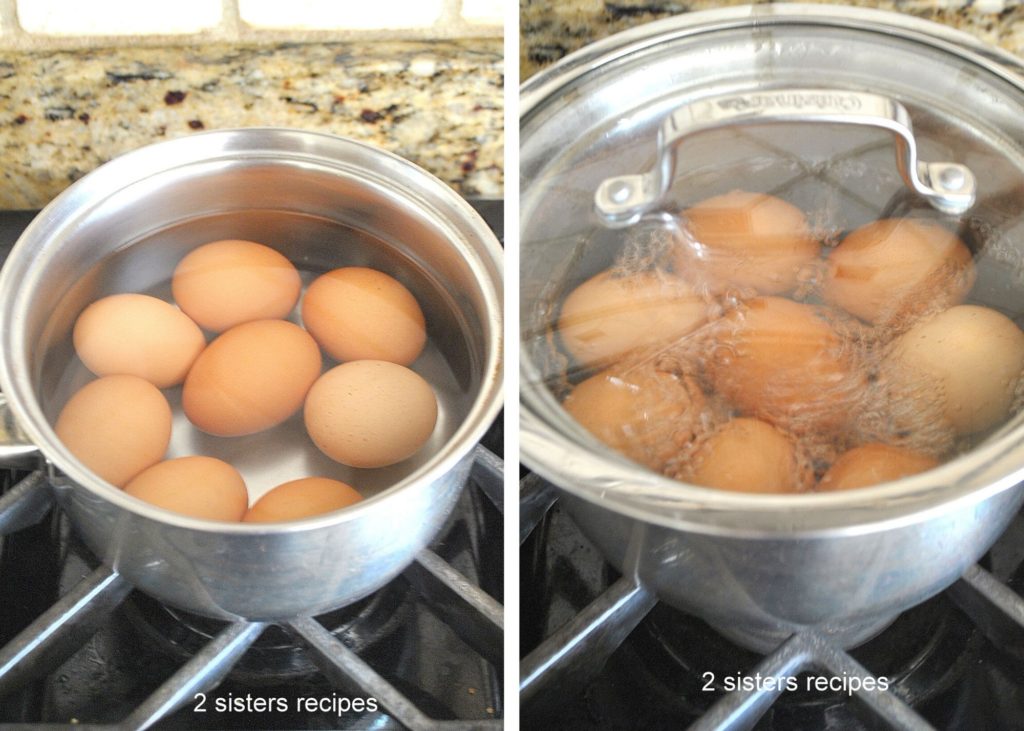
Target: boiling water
314, 245
849, 404
842, 183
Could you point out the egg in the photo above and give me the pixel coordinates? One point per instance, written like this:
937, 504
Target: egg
968, 358
226, 283
610, 315
356, 313
904, 412
748, 455
646, 414
200, 487
116, 426
301, 499
137, 335
745, 241
895, 270
786, 363
370, 413
871, 464
252, 377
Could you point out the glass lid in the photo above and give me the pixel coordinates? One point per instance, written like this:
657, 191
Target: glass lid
776, 251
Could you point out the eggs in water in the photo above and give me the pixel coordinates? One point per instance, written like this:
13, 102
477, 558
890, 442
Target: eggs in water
137, 335
198, 486
356, 313
609, 316
301, 499
251, 378
226, 283
370, 413
117, 426
750, 242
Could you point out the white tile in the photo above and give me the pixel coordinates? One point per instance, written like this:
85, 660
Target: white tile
333, 14
117, 17
491, 12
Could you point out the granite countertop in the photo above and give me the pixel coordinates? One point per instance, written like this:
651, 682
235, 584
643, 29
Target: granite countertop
550, 29
438, 104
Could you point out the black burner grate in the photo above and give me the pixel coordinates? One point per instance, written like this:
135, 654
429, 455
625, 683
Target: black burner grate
600, 652
88, 608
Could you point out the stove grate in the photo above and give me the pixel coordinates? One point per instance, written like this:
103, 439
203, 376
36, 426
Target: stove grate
575, 653
61, 630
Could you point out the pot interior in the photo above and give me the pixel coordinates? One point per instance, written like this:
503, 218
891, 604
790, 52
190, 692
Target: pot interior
322, 212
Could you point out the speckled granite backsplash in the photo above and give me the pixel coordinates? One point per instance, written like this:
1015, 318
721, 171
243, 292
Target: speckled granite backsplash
438, 104
552, 28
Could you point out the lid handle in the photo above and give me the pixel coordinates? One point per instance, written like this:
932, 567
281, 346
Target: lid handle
948, 186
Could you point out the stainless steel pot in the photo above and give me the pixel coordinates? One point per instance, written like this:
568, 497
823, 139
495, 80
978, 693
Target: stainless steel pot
324, 202
595, 130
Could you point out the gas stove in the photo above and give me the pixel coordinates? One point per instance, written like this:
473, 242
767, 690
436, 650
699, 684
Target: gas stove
954, 662
79, 648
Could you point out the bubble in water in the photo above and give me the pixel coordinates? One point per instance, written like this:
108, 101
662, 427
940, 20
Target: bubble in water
814, 372
647, 414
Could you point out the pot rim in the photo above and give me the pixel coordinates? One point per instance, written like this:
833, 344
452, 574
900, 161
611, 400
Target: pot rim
561, 451
421, 189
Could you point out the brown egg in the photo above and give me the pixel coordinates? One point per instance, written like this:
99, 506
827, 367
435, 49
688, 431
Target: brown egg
747, 455
785, 363
137, 335
871, 464
968, 358
226, 283
117, 426
608, 316
357, 313
370, 413
200, 487
252, 377
890, 272
646, 414
745, 241
301, 499
902, 412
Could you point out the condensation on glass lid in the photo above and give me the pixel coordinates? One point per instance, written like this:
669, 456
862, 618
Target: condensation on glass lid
740, 348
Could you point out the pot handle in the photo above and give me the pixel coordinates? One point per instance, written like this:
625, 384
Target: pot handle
16, 449
948, 186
